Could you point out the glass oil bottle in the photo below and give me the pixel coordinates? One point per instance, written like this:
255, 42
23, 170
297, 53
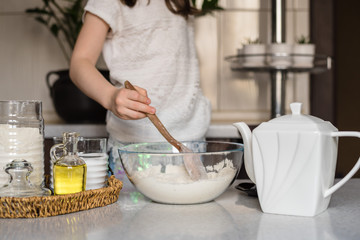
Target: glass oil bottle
69, 170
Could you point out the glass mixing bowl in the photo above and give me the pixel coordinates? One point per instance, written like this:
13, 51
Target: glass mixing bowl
157, 170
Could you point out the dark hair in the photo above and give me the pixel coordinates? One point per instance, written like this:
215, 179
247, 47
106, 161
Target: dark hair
180, 7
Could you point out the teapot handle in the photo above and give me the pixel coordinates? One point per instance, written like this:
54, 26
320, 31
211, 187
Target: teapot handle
352, 171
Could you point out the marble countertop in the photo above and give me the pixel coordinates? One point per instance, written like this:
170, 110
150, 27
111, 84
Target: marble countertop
233, 215
216, 130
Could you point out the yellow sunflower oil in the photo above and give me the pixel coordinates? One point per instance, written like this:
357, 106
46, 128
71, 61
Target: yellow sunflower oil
69, 179
69, 170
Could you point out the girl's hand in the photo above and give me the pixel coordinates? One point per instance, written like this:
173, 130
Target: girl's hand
131, 105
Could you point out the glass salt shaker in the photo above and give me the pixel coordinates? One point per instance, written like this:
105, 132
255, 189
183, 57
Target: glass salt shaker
19, 184
69, 170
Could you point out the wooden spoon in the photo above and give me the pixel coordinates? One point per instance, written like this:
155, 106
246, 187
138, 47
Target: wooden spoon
192, 162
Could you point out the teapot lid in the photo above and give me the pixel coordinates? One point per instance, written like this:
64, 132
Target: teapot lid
303, 122
296, 117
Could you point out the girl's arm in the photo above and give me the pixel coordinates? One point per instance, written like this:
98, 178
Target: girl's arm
124, 103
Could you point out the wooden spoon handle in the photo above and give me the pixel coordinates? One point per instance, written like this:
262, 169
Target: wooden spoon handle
158, 124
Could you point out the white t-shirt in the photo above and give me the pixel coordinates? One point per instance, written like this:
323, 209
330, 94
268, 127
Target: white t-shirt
154, 49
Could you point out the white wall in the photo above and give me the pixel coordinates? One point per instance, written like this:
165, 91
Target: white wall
28, 52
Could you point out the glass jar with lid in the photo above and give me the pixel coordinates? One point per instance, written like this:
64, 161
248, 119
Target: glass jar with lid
19, 184
22, 137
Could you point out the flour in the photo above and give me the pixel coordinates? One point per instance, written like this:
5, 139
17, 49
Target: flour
24, 143
172, 183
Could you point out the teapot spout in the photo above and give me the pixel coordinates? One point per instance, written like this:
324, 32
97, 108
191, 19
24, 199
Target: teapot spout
245, 133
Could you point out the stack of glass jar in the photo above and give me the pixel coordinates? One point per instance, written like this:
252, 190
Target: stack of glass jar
22, 137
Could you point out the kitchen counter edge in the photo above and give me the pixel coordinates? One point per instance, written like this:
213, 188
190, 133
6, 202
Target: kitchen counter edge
218, 130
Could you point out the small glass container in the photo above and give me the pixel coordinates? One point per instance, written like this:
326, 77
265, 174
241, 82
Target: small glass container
19, 184
69, 170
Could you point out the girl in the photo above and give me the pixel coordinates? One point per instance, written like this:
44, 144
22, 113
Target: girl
151, 44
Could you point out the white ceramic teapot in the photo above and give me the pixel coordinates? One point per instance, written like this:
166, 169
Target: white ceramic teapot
292, 160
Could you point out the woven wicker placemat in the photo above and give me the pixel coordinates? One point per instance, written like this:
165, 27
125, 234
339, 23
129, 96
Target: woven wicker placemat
33, 207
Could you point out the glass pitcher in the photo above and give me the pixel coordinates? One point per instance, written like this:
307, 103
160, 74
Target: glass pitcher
69, 170
22, 137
